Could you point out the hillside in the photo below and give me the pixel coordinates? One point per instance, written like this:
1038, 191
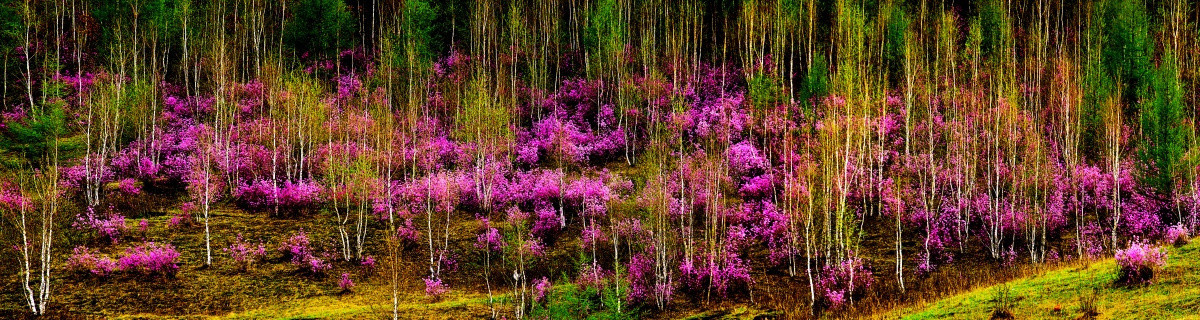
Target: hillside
593, 159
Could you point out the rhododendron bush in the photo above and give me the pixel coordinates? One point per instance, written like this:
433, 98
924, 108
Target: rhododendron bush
147, 259
1139, 262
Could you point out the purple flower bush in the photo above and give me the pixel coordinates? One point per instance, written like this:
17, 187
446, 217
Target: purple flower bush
1139, 262
345, 283
1178, 235
244, 253
296, 249
590, 195
90, 261
580, 128
541, 288
150, 259
490, 238
644, 285
368, 264
725, 272
843, 282
435, 288
129, 186
295, 246
109, 225
408, 232
287, 196
146, 259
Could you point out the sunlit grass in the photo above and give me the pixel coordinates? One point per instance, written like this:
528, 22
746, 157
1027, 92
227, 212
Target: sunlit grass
1058, 294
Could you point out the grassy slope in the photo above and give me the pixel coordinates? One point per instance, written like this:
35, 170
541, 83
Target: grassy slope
1173, 295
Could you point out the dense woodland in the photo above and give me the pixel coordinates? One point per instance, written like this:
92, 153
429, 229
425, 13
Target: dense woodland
584, 158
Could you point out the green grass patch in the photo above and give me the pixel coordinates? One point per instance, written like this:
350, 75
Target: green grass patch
1062, 293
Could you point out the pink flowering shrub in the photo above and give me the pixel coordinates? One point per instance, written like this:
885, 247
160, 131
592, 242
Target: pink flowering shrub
1140, 216
580, 127
546, 224
345, 283
90, 261
1093, 239
490, 238
840, 284
592, 235
129, 186
1178, 235
1139, 262
109, 225
11, 198
408, 232
724, 272
295, 246
314, 265
150, 259
592, 277
292, 197
244, 253
541, 288
179, 220
296, 249
643, 283
534, 248
590, 195
368, 264
435, 288
745, 160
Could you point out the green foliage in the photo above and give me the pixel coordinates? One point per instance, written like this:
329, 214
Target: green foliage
764, 90
1003, 302
11, 27
38, 139
482, 119
894, 44
816, 82
1087, 303
1098, 87
155, 17
605, 33
994, 23
613, 299
565, 302
418, 28
320, 27
1164, 128
1127, 45
427, 31
137, 109
574, 302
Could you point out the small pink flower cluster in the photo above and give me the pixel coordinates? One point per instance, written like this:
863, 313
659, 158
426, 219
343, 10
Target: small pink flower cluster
541, 287
296, 248
1139, 261
110, 225
88, 260
841, 283
129, 186
435, 288
1178, 235
368, 264
146, 259
244, 253
150, 258
346, 284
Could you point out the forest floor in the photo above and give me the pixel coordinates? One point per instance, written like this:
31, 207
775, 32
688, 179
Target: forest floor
274, 288
1061, 294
